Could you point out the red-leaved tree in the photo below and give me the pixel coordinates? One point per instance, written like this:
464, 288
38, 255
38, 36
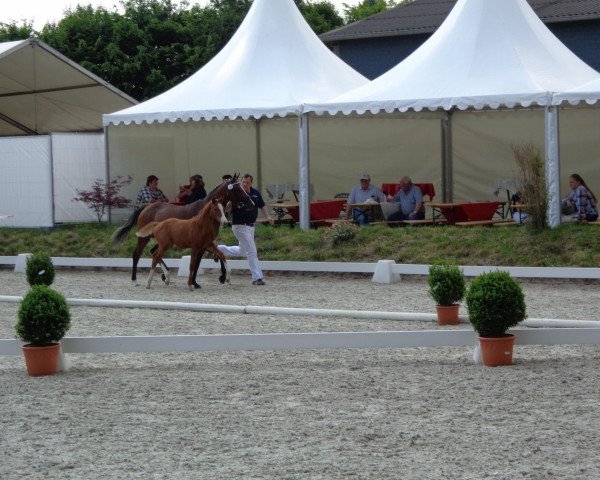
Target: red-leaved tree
105, 194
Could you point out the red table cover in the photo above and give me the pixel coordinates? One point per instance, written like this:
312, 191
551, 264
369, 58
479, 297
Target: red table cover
480, 210
472, 211
320, 209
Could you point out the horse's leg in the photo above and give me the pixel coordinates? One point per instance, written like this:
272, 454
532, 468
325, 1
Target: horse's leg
225, 270
137, 253
152, 269
196, 267
194, 264
165, 276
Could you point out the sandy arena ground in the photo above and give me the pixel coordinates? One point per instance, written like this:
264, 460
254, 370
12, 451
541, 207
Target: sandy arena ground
426, 413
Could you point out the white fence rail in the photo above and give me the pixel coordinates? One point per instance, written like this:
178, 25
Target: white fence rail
385, 271
291, 341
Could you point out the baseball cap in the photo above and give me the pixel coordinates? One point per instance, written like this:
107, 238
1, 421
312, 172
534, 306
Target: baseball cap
365, 176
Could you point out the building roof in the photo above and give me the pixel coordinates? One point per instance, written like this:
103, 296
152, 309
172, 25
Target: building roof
425, 16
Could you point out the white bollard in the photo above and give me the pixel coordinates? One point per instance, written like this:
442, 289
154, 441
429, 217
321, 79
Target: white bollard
384, 273
477, 355
184, 267
21, 262
64, 364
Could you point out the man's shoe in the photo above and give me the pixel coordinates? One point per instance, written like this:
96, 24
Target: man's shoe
258, 282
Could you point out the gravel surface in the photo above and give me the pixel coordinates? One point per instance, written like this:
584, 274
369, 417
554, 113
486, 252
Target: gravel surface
420, 413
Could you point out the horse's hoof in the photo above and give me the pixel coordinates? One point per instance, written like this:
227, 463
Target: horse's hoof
164, 279
222, 280
228, 280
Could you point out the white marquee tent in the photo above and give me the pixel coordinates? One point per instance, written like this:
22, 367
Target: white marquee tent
488, 54
271, 66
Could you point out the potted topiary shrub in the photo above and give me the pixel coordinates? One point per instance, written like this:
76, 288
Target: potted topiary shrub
43, 319
447, 287
496, 303
39, 269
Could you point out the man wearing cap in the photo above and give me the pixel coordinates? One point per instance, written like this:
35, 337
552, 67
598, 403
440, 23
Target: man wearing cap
364, 193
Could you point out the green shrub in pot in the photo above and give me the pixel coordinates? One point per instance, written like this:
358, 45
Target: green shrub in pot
43, 317
39, 269
447, 284
495, 302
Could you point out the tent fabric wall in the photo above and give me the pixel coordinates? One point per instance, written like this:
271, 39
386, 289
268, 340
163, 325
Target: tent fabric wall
77, 161
26, 181
482, 148
387, 147
580, 146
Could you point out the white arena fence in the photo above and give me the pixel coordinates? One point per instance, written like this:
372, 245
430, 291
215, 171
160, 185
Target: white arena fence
384, 271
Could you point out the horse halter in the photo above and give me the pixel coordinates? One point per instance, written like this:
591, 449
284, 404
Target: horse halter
247, 203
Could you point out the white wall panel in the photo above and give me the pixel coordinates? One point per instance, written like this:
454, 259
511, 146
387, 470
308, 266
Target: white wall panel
26, 182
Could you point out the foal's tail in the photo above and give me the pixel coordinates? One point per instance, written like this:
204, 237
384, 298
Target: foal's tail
119, 235
147, 230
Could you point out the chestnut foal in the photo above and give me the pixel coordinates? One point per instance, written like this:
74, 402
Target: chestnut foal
197, 233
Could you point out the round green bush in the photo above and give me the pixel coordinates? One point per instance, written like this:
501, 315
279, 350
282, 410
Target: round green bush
43, 316
496, 303
39, 269
446, 284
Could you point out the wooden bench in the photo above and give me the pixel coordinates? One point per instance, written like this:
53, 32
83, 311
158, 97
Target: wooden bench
388, 222
483, 223
437, 221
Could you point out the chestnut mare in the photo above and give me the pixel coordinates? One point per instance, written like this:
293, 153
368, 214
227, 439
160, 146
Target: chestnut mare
198, 233
231, 191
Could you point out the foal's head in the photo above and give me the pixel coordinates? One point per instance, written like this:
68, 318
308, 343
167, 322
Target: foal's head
213, 211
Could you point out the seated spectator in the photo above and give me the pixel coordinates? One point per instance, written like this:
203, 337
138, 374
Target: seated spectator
150, 193
198, 192
581, 199
185, 191
364, 193
410, 199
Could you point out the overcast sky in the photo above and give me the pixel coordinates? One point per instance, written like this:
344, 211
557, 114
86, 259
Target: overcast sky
43, 11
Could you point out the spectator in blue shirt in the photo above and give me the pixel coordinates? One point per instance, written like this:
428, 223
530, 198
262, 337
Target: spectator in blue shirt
410, 199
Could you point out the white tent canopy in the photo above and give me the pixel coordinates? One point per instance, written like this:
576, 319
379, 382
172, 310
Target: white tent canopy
42, 91
486, 54
271, 66
588, 93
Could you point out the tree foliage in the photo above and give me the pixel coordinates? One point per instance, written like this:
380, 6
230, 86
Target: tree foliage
366, 8
104, 194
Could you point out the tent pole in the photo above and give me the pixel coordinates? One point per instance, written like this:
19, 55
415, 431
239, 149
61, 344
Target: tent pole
552, 165
259, 179
447, 174
106, 161
303, 173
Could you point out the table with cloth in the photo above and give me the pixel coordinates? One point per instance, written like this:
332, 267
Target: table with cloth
465, 211
320, 210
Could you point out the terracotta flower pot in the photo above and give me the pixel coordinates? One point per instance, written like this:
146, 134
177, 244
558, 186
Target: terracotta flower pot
41, 360
447, 314
497, 351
